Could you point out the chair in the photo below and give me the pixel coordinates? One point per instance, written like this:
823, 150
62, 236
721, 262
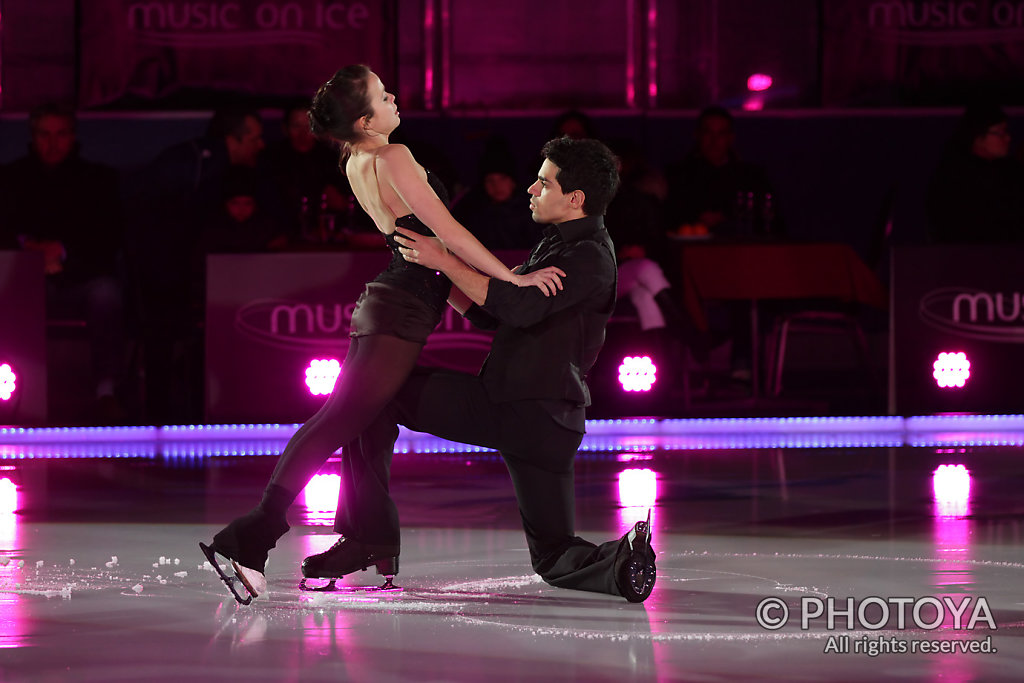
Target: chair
833, 317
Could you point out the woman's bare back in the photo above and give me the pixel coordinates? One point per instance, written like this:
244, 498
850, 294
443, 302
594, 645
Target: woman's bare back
380, 201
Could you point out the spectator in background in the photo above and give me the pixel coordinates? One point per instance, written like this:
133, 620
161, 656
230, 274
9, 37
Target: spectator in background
308, 177
171, 200
712, 191
575, 124
636, 224
240, 224
68, 209
714, 188
492, 209
976, 195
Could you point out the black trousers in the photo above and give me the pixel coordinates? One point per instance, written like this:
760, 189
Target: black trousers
537, 451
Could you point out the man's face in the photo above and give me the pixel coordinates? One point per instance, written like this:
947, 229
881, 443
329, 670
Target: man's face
499, 186
715, 138
240, 208
53, 138
245, 149
296, 129
993, 143
547, 203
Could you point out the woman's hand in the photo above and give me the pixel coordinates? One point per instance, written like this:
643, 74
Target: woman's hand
548, 280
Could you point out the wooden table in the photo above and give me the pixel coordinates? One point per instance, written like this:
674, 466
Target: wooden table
752, 272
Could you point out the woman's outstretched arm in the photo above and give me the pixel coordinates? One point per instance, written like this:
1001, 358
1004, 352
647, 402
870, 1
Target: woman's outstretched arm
397, 167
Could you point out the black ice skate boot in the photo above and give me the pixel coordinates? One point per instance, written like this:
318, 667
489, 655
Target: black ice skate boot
347, 556
635, 572
245, 543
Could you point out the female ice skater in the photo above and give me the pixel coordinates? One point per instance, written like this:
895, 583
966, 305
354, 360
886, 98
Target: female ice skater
391, 321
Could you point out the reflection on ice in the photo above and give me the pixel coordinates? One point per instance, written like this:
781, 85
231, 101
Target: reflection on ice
953, 577
321, 499
8, 518
638, 493
8, 496
951, 485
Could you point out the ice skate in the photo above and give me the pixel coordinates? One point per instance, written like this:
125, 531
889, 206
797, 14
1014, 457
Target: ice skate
245, 584
348, 556
244, 545
636, 575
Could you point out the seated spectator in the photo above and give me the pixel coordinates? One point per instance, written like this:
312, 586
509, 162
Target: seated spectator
635, 221
494, 210
712, 191
171, 199
976, 195
575, 124
239, 224
68, 209
714, 188
309, 179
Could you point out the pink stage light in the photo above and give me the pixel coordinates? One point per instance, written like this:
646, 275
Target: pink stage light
7, 382
951, 485
321, 374
638, 488
951, 370
8, 496
759, 82
637, 373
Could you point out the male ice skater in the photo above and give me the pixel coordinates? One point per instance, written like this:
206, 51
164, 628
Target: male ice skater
528, 401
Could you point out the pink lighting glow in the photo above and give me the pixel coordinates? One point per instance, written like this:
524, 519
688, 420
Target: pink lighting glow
951, 369
321, 498
637, 373
952, 487
638, 488
321, 374
7, 382
759, 82
753, 103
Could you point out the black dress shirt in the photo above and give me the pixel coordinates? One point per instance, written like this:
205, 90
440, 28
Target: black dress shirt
545, 345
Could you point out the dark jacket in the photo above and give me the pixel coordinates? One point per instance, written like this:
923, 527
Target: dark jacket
75, 203
544, 346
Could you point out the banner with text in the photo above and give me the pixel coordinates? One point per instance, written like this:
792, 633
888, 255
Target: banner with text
957, 330
277, 331
926, 52
276, 48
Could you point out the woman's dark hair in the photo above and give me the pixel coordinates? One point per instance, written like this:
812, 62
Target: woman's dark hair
586, 165
340, 102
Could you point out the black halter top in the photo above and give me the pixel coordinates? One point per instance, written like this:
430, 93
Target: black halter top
428, 285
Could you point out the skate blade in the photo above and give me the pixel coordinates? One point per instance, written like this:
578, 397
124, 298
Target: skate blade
240, 591
641, 531
255, 582
332, 587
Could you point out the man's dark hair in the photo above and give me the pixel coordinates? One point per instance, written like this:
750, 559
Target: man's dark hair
586, 165
58, 109
295, 104
230, 121
715, 111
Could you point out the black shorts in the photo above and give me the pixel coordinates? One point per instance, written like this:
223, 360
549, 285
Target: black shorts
383, 309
